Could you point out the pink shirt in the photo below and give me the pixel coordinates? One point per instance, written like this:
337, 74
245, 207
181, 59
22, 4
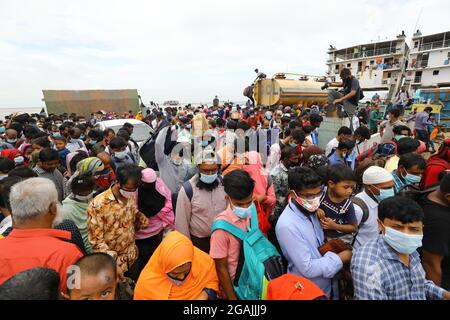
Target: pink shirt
224, 244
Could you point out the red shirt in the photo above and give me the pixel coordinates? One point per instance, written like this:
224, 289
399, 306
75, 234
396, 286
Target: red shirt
26, 249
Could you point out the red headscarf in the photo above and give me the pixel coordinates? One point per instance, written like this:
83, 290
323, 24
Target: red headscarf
10, 153
436, 164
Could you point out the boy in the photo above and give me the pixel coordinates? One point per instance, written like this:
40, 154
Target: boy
344, 149
225, 248
411, 167
120, 156
6, 165
47, 168
60, 145
336, 212
97, 278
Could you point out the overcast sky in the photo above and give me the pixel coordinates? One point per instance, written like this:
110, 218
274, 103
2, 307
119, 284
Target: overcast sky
185, 50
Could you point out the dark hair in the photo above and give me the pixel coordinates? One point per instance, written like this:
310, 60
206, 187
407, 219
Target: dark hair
345, 72
220, 122
445, 183
107, 131
23, 172
117, 143
295, 124
96, 262
346, 144
17, 126
315, 118
82, 127
344, 131
400, 128
60, 138
400, 208
6, 165
286, 119
303, 177
340, 172
30, 132
48, 155
124, 133
82, 183
231, 125
407, 145
243, 126
41, 141
81, 155
96, 135
212, 123
32, 284
129, 172
298, 135
308, 129
288, 152
410, 160
64, 126
428, 109
363, 132
238, 184
5, 189
395, 112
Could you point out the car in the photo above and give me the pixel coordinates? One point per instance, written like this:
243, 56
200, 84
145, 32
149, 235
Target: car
141, 130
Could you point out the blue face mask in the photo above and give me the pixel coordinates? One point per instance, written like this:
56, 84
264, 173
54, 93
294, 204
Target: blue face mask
2, 129
11, 140
92, 142
412, 179
176, 281
384, 194
402, 242
293, 145
19, 160
120, 155
82, 136
204, 143
208, 179
245, 212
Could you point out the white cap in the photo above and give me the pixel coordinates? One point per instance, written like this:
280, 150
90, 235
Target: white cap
376, 175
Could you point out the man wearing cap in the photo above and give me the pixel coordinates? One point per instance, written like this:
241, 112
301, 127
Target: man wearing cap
378, 185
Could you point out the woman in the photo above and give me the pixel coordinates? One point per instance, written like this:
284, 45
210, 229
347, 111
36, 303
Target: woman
15, 155
436, 165
178, 271
310, 151
27, 151
154, 200
92, 165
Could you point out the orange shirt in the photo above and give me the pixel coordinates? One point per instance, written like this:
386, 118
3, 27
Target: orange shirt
26, 249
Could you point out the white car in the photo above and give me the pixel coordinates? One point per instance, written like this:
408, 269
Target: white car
141, 131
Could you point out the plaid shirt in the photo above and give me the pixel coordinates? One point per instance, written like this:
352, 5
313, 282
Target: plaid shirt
399, 184
378, 274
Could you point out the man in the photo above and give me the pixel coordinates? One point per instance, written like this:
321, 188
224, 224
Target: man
404, 146
388, 267
75, 143
33, 242
411, 167
342, 153
5, 206
344, 133
259, 75
375, 116
47, 168
295, 140
315, 120
113, 219
401, 99
422, 121
350, 98
378, 185
387, 126
197, 207
436, 235
300, 235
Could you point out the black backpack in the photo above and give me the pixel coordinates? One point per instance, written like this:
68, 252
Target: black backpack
414, 193
147, 151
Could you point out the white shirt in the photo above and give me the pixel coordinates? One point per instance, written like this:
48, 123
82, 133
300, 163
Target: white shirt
369, 230
333, 144
5, 224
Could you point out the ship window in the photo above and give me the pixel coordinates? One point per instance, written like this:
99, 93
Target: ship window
349, 65
435, 72
372, 61
336, 67
416, 44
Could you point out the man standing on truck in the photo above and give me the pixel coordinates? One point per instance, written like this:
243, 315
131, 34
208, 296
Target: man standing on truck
349, 99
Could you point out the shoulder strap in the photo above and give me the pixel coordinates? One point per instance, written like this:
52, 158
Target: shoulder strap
365, 209
188, 189
228, 227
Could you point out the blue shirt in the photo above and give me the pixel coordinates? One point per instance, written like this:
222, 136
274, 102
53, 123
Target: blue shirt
118, 163
315, 137
336, 159
378, 274
299, 236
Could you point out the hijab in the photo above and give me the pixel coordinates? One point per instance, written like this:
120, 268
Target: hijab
150, 201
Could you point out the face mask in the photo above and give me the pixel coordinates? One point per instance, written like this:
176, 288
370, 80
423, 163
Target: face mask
293, 145
2, 129
11, 140
245, 212
208, 179
384, 194
176, 281
398, 137
85, 199
268, 117
19, 160
310, 205
204, 143
188, 126
126, 194
55, 134
177, 162
120, 155
412, 179
92, 142
402, 242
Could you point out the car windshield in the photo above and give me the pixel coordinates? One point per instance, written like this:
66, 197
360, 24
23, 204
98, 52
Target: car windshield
141, 132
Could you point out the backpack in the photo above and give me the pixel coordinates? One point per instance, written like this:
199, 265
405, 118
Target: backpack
259, 261
147, 151
365, 209
414, 193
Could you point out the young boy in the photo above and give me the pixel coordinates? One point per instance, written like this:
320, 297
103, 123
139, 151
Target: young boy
47, 168
336, 212
225, 248
60, 145
344, 149
120, 156
97, 278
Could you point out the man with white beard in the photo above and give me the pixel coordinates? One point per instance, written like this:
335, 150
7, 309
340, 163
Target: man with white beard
33, 243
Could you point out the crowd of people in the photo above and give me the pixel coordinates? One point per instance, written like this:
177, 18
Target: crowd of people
89, 214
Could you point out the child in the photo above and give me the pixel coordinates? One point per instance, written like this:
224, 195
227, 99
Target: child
120, 157
47, 168
225, 248
60, 145
344, 149
308, 139
97, 278
336, 212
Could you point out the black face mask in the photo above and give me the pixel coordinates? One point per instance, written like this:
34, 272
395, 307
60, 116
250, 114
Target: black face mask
148, 186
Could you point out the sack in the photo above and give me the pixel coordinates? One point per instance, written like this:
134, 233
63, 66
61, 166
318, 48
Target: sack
259, 261
336, 246
292, 287
248, 92
147, 151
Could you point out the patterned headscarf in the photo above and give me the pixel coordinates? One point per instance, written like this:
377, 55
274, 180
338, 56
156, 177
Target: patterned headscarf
92, 165
317, 160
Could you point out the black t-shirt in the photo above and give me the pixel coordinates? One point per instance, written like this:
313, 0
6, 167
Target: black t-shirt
436, 238
352, 84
